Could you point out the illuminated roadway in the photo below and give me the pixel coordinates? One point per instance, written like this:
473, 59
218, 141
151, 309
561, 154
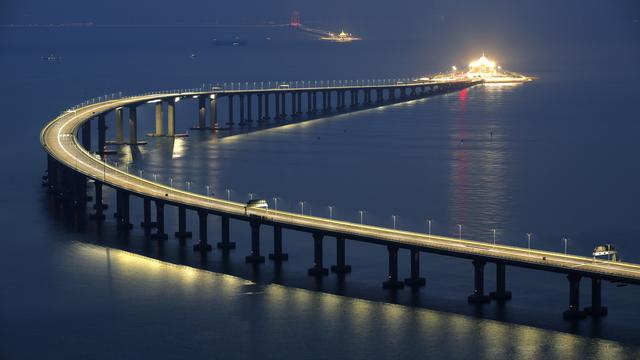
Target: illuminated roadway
60, 141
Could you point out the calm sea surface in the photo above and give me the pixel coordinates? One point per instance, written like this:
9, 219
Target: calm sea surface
555, 158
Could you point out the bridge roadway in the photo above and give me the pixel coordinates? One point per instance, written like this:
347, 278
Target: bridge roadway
60, 142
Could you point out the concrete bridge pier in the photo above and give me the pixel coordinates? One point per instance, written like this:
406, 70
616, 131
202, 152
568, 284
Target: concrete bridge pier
277, 254
146, 223
392, 94
310, 95
354, 97
86, 135
119, 126
294, 102
160, 234
122, 210
340, 267
242, 118
260, 104
182, 232
283, 101
230, 121
255, 257
478, 296
299, 95
501, 293
266, 106
202, 112
574, 312
379, 96
213, 108
171, 118
159, 120
329, 107
203, 244
225, 244
277, 103
596, 309
102, 134
98, 205
314, 101
324, 101
317, 269
249, 107
415, 280
392, 280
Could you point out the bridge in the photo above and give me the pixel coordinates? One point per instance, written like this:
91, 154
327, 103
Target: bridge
72, 165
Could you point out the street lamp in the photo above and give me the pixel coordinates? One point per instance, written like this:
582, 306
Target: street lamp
529, 241
275, 202
361, 216
331, 212
429, 227
301, 207
208, 190
228, 194
251, 196
394, 221
459, 231
494, 236
565, 245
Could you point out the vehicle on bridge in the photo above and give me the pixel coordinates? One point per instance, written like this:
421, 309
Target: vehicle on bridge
607, 250
284, 86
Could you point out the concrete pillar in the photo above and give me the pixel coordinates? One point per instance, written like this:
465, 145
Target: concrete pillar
182, 232
392, 280
242, 118
146, 223
501, 293
230, 122
294, 102
277, 254
329, 100
171, 117
596, 309
86, 135
160, 234
213, 107
249, 107
133, 125
314, 100
202, 112
102, 134
159, 120
283, 99
203, 244
260, 114
340, 267
324, 101
119, 126
478, 295
574, 311
98, 205
255, 256
266, 106
415, 280
277, 99
299, 103
122, 210
225, 244
317, 269
354, 95
310, 102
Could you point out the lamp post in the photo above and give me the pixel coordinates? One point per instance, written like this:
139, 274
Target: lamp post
565, 244
330, 212
429, 227
228, 194
251, 196
459, 231
275, 203
494, 236
301, 207
529, 241
361, 216
208, 190
394, 221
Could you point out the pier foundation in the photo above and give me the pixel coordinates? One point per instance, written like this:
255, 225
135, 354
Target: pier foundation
415, 280
392, 281
340, 267
478, 296
317, 269
277, 254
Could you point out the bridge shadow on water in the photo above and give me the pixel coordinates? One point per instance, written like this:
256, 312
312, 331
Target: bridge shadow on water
293, 273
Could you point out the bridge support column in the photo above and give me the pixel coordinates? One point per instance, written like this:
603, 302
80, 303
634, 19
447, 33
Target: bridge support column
329, 100
415, 280
277, 102
501, 293
146, 223
596, 309
98, 205
133, 126
340, 267
249, 107
255, 256
294, 102
202, 245
230, 121
160, 234
478, 296
102, 134
119, 126
122, 210
324, 101
260, 107
159, 120
392, 280
309, 102
225, 244
171, 118
314, 100
317, 269
182, 232
202, 112
299, 103
242, 118
277, 254
213, 108
574, 311
86, 135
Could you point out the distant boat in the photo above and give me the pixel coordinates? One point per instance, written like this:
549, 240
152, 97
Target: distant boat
236, 41
51, 58
343, 37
